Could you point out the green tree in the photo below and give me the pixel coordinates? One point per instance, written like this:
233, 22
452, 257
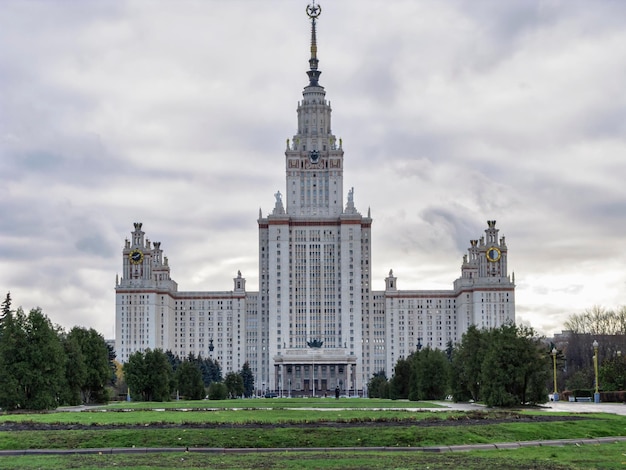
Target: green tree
218, 391
149, 375
96, 356
515, 367
75, 371
378, 386
175, 361
505, 366
135, 375
430, 375
44, 362
612, 374
13, 356
112, 364
211, 370
189, 380
248, 380
6, 307
399, 383
234, 384
467, 365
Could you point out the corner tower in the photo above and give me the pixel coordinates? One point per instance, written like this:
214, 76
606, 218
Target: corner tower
314, 260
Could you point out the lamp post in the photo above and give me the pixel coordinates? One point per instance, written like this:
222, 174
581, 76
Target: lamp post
556, 393
596, 395
314, 344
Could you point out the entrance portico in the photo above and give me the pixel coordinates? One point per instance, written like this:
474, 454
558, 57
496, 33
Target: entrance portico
315, 372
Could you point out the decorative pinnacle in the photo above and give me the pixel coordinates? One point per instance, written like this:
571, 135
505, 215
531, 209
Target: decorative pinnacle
313, 11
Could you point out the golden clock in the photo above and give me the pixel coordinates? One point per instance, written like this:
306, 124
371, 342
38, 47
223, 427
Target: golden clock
135, 256
493, 254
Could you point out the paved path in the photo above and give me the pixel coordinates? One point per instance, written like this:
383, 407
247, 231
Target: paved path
248, 450
554, 406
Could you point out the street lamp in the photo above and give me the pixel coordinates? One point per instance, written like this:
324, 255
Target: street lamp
314, 344
556, 393
596, 395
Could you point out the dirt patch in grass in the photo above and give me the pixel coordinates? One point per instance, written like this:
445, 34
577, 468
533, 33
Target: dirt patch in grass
468, 419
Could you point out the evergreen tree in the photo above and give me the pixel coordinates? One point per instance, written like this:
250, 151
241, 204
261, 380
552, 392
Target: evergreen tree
467, 361
211, 370
96, 357
112, 364
430, 375
234, 384
149, 375
159, 376
135, 375
515, 368
44, 360
175, 361
218, 391
506, 366
75, 371
248, 380
399, 383
13, 357
377, 386
6, 307
189, 380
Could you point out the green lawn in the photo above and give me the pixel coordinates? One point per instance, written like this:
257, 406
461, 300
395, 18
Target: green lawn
607, 456
304, 423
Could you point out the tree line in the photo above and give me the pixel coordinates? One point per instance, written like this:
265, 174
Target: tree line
505, 366
598, 321
43, 366
157, 375
575, 370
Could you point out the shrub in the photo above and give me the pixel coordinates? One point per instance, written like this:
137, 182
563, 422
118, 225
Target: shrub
218, 391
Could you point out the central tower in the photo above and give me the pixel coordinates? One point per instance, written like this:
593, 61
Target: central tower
314, 260
314, 161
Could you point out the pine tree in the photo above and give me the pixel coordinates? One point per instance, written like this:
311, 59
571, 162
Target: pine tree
96, 357
234, 384
189, 380
43, 375
248, 380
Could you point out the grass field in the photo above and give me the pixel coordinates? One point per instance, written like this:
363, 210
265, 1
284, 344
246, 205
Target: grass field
304, 423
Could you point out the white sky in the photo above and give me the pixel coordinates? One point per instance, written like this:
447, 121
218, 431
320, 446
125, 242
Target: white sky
175, 114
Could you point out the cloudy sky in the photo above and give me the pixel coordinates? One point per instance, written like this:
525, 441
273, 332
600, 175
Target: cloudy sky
175, 114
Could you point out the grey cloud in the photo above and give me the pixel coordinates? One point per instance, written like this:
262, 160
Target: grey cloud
95, 245
451, 114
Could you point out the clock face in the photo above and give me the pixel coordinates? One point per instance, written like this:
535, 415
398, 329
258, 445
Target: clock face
493, 254
135, 256
314, 156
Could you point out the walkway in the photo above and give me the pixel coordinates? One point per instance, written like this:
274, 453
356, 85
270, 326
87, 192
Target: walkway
248, 450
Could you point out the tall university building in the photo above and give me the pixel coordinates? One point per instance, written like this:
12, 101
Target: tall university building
315, 323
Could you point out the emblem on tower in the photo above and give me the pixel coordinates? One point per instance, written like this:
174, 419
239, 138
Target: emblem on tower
313, 11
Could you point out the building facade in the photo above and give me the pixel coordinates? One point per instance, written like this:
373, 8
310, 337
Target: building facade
314, 324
